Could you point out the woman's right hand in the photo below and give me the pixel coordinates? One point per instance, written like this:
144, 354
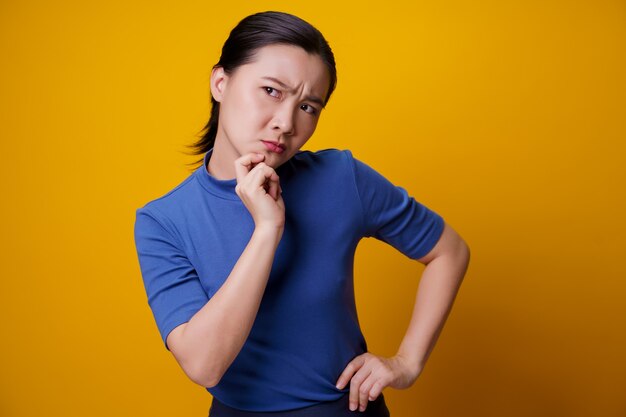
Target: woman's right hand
258, 186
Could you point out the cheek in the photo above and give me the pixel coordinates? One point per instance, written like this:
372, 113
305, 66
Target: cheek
244, 112
253, 111
307, 125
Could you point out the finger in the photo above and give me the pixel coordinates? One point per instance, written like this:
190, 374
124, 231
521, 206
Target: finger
274, 189
245, 163
364, 391
349, 370
270, 178
276, 186
253, 181
354, 393
265, 176
377, 388
280, 203
355, 388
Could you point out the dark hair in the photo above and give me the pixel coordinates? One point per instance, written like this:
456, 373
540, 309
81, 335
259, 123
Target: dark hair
254, 32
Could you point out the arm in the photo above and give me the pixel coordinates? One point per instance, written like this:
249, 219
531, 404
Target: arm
446, 265
210, 341
205, 346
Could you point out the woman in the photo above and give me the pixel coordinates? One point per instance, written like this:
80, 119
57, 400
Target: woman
247, 264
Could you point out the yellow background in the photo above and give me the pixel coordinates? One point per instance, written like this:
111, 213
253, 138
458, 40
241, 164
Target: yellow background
506, 117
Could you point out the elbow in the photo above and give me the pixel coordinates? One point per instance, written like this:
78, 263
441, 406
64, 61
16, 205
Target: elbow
196, 365
204, 376
206, 381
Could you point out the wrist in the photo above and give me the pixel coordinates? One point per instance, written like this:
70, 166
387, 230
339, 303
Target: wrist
269, 231
413, 362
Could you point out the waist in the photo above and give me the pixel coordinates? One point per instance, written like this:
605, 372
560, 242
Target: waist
337, 408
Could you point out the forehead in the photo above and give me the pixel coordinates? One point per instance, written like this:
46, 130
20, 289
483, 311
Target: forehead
291, 65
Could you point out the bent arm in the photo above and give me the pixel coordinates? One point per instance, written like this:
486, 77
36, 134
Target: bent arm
207, 344
446, 265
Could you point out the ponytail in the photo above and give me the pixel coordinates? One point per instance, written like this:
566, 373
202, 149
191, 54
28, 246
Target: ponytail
207, 140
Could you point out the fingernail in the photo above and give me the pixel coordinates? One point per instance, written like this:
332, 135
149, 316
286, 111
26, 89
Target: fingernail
352, 407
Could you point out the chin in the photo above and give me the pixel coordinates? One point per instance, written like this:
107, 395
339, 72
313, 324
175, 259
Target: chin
273, 159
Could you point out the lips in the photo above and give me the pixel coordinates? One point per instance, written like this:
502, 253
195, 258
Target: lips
274, 146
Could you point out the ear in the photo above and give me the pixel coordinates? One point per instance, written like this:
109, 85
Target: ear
218, 83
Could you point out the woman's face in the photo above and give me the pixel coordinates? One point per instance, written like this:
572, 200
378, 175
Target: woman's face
271, 105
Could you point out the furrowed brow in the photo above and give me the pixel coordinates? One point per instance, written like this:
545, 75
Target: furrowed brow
277, 81
313, 99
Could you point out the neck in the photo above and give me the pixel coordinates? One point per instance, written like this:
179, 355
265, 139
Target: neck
222, 162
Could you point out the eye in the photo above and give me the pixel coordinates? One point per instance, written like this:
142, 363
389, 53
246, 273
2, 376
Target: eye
309, 109
272, 91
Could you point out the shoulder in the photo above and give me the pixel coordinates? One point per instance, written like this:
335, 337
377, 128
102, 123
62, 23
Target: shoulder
337, 161
323, 158
321, 154
172, 200
329, 171
323, 163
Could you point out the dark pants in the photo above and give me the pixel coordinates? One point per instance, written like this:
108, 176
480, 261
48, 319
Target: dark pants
338, 408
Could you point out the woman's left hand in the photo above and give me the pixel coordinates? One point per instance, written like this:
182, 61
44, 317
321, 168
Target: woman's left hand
372, 374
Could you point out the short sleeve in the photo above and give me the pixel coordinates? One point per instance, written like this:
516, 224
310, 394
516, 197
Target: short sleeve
392, 215
172, 285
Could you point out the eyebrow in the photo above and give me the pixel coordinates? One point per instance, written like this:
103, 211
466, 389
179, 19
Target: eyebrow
314, 99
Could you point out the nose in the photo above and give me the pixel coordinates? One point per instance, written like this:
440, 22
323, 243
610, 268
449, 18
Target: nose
283, 120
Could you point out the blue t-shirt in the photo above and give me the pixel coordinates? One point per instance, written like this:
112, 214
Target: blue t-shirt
306, 330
